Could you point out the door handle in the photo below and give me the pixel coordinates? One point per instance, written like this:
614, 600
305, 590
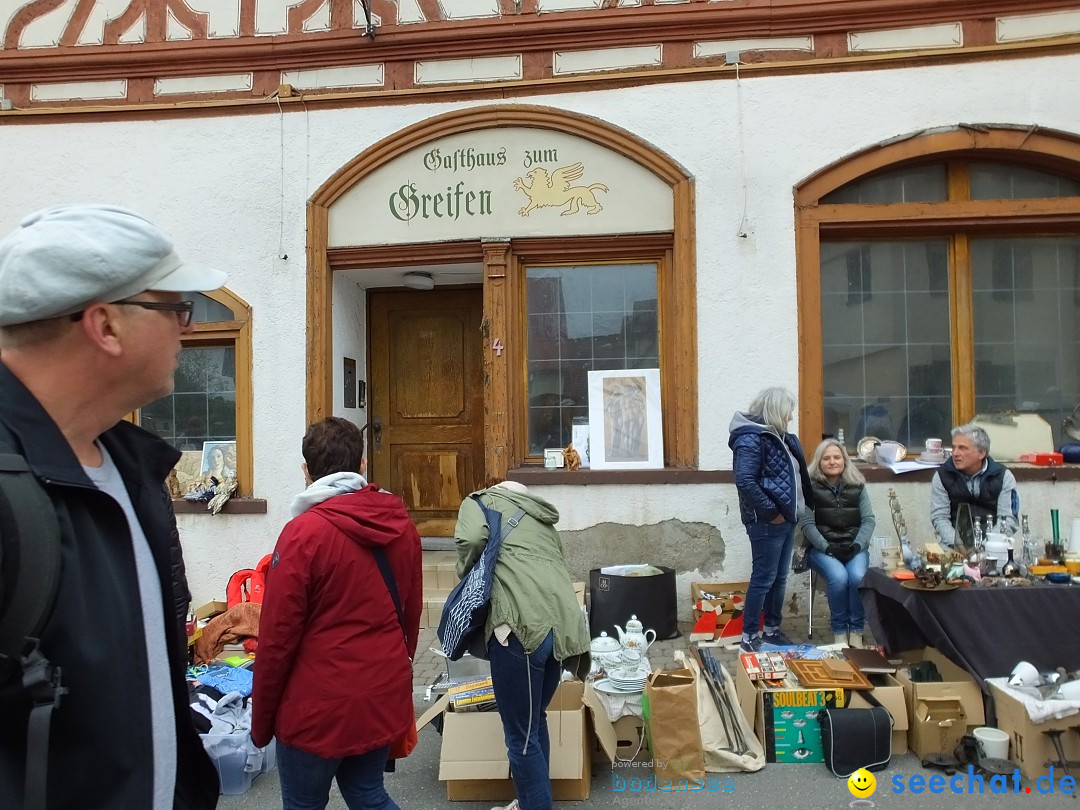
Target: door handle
376, 433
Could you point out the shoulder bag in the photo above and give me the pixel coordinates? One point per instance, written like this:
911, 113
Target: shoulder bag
404, 745
461, 628
856, 738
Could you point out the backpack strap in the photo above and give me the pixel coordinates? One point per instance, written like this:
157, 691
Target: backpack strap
30, 553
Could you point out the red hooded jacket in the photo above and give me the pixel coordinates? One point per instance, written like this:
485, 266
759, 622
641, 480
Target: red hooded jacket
333, 674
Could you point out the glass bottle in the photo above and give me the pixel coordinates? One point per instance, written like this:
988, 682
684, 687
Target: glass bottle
840, 438
1029, 552
1011, 569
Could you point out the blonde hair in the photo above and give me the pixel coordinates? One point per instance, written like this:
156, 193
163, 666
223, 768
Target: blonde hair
775, 406
851, 475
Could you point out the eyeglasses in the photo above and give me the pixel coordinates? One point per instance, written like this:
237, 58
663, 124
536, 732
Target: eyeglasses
183, 309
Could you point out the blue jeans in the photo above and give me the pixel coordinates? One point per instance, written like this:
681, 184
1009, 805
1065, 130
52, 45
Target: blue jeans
524, 686
305, 780
770, 552
842, 582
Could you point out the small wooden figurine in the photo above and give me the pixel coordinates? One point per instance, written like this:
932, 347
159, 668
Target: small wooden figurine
572, 457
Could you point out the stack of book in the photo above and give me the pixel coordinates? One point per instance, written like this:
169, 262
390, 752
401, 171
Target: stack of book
472, 696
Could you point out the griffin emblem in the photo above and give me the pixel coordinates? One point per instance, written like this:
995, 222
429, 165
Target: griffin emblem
554, 190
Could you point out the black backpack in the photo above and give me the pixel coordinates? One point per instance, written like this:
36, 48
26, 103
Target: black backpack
30, 570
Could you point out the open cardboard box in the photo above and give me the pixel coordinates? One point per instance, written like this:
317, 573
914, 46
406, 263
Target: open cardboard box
621, 740
723, 590
955, 683
473, 759
890, 694
775, 712
1029, 747
937, 726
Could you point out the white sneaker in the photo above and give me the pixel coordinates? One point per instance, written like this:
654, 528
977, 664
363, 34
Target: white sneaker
512, 806
855, 639
841, 638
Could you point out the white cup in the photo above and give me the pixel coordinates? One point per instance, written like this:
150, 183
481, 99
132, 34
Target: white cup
991, 743
1070, 690
1025, 674
933, 447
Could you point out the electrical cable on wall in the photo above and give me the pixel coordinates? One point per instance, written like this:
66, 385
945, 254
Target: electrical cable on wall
741, 232
281, 192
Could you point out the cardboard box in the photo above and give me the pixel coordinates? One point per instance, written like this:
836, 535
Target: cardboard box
937, 726
473, 761
621, 740
210, 610
890, 694
785, 720
956, 683
723, 603
579, 592
1029, 747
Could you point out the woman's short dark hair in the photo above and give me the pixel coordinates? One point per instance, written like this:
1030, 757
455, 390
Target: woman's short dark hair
333, 445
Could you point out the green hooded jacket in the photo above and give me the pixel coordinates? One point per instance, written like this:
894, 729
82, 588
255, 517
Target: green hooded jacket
532, 591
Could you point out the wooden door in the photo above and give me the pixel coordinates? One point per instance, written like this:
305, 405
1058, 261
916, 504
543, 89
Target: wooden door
426, 439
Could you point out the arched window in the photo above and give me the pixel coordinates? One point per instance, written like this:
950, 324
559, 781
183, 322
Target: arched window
939, 278
210, 406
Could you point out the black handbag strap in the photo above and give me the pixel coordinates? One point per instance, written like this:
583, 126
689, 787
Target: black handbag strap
391, 585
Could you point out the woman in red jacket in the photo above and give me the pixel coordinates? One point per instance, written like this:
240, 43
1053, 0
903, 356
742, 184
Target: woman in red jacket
333, 677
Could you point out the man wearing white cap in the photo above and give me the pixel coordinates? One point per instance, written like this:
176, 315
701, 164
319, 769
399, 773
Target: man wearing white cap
91, 319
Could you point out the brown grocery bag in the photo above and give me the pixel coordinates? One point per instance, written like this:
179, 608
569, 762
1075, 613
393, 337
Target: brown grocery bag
669, 708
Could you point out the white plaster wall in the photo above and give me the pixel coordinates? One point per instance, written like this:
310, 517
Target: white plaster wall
350, 340
216, 185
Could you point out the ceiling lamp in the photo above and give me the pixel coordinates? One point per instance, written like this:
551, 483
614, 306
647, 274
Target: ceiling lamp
419, 281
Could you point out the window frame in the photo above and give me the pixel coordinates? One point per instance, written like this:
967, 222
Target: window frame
544, 252
959, 218
235, 333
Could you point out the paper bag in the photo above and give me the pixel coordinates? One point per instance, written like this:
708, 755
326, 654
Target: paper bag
669, 707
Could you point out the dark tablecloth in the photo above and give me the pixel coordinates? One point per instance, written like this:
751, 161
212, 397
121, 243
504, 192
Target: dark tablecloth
985, 630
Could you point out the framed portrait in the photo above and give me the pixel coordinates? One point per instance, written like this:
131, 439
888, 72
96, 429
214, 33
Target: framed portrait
625, 421
219, 459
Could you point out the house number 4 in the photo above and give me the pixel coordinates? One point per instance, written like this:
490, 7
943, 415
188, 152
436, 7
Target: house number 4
497, 346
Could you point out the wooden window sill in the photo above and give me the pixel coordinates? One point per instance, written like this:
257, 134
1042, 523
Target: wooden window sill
875, 474
233, 506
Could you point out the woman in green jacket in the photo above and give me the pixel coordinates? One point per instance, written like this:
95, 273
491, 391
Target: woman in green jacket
535, 628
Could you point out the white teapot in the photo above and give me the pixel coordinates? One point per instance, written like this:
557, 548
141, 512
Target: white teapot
606, 652
635, 637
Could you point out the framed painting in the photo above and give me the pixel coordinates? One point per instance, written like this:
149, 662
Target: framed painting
625, 422
219, 459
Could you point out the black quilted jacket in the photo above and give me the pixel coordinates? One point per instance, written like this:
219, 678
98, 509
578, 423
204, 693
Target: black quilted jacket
764, 473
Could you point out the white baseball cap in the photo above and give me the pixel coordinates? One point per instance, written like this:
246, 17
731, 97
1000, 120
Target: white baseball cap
62, 259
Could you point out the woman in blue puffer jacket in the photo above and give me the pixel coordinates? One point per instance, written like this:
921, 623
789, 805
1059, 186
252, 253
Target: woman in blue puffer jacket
773, 485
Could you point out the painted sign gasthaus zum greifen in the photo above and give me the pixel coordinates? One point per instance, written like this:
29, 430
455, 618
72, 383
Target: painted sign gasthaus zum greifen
505, 181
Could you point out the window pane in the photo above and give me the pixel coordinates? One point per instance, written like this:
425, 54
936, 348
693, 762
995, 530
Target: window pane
583, 318
1026, 307
1001, 181
207, 310
886, 340
911, 184
203, 405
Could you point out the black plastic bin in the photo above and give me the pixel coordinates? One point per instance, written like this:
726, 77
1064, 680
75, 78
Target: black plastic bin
613, 599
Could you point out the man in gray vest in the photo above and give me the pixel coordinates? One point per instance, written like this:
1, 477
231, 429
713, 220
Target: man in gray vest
970, 477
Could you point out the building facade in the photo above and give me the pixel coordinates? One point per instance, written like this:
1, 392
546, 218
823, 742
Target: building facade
470, 225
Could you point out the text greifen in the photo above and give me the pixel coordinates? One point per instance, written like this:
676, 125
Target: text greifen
408, 203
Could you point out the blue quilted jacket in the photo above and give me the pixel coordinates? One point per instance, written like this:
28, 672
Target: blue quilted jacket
764, 473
